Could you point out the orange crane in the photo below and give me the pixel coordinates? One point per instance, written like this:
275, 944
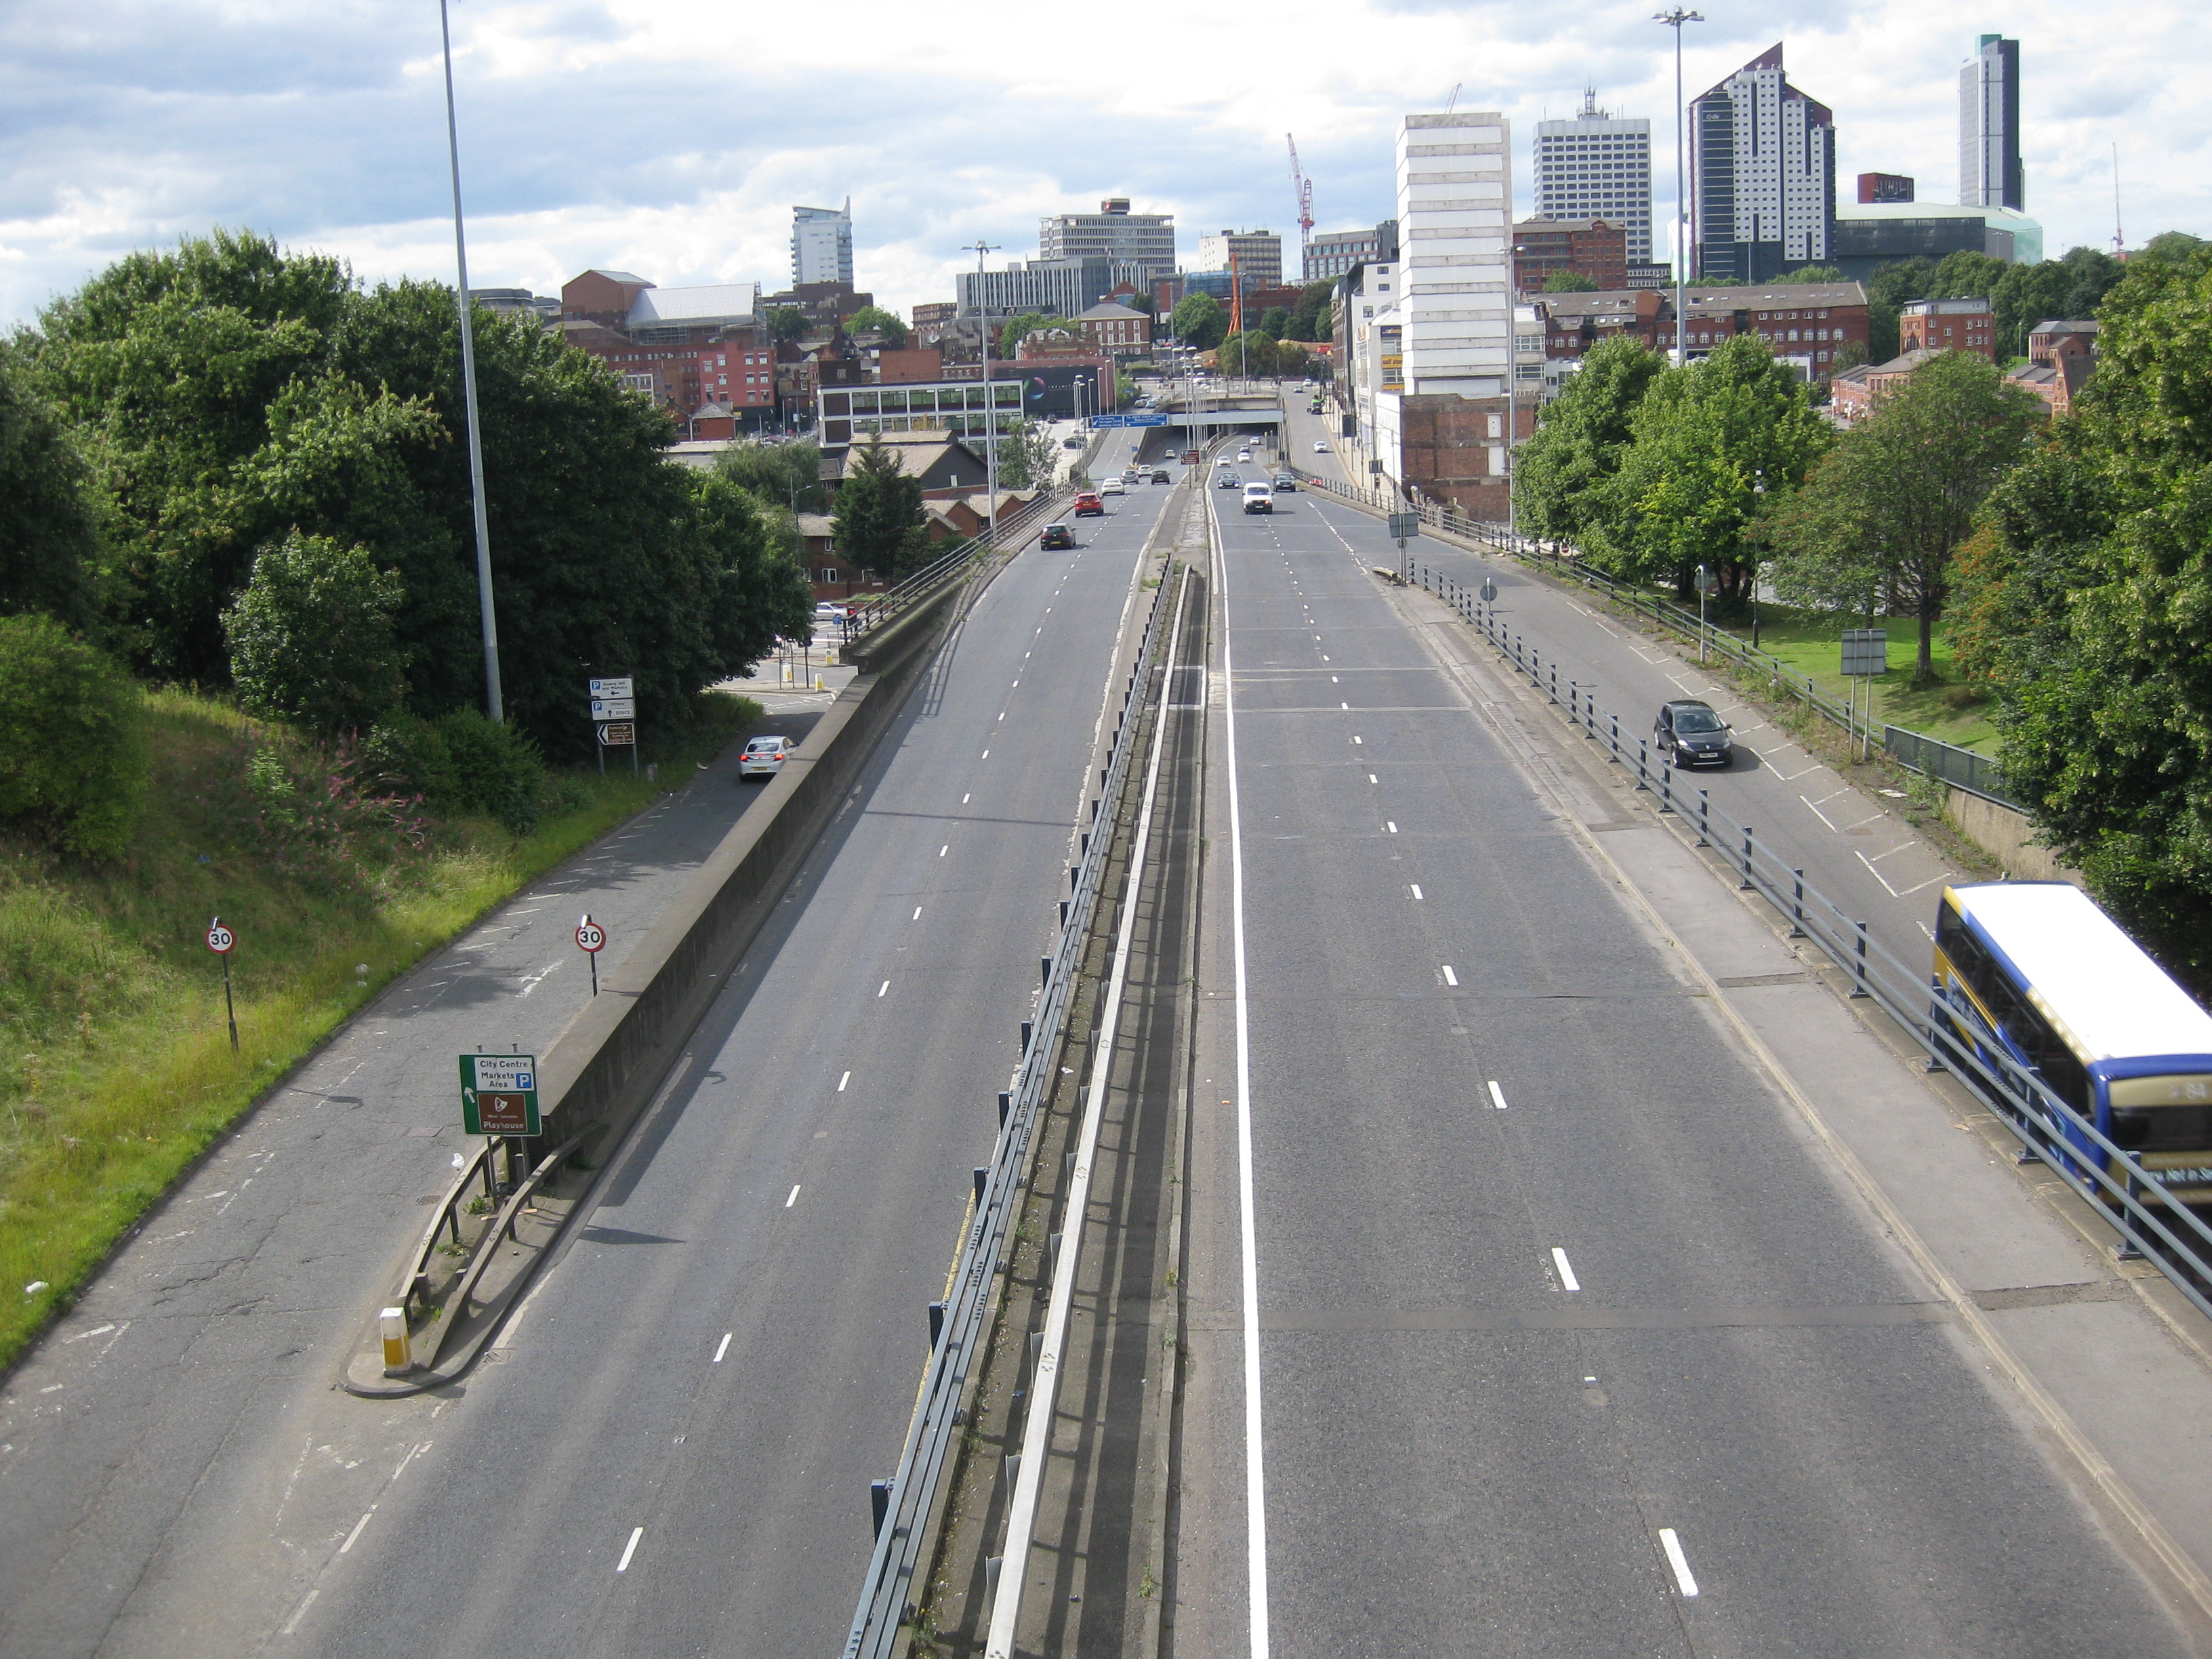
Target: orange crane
1303, 186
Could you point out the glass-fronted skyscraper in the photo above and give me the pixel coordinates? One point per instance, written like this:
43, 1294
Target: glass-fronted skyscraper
1990, 173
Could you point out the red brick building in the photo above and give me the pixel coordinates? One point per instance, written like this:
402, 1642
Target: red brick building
1950, 326
686, 348
1587, 247
1808, 323
1453, 449
1573, 323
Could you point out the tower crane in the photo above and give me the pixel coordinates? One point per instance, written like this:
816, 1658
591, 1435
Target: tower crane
1303, 186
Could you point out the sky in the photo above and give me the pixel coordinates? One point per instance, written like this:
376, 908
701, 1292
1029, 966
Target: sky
672, 137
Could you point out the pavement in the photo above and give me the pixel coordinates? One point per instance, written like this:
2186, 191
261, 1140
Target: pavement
1544, 1296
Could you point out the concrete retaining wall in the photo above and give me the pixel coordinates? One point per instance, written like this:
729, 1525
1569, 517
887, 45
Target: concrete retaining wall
2007, 836
603, 1069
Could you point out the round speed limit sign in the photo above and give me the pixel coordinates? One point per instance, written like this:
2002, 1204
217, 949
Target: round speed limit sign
220, 938
590, 936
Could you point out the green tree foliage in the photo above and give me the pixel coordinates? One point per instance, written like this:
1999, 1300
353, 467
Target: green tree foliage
878, 522
1815, 273
1199, 320
787, 325
1568, 281
1562, 474
49, 523
1246, 354
2024, 295
312, 638
1309, 316
2103, 569
1274, 320
80, 781
788, 476
1027, 455
757, 590
1018, 329
1708, 438
1879, 518
874, 319
2173, 245
1291, 358
228, 393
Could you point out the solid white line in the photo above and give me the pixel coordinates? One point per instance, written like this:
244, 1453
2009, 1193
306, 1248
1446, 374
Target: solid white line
725, 1346
1683, 1580
916, 916
843, 1081
1451, 978
1497, 1095
1417, 888
1359, 740
793, 1199
1371, 778
1391, 825
884, 987
943, 850
987, 754
356, 1533
1566, 1272
1255, 1486
630, 1549
963, 799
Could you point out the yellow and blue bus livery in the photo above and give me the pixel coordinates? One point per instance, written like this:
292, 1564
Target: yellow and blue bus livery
2036, 969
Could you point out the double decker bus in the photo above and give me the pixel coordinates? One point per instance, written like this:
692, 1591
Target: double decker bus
2036, 972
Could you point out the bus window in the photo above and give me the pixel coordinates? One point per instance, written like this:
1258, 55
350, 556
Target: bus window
2162, 1114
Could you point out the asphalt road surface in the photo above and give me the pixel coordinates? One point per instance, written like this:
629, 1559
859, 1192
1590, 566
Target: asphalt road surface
1568, 1339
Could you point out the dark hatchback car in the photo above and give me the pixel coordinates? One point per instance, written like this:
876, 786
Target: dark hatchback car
1056, 535
1693, 733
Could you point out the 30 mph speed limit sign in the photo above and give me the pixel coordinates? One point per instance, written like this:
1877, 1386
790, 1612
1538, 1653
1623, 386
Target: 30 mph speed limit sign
589, 935
220, 938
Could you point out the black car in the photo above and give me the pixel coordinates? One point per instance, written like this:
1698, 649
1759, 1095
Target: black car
1056, 535
1226, 481
1160, 475
1691, 733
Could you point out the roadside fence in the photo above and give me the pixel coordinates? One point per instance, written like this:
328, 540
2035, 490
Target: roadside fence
2051, 1130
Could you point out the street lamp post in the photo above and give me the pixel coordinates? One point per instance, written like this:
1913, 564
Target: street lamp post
487, 615
1675, 20
990, 401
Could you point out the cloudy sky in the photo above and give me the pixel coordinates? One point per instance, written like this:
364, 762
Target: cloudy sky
671, 137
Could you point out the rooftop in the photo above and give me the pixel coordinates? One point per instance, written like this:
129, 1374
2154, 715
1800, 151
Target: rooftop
677, 307
1774, 294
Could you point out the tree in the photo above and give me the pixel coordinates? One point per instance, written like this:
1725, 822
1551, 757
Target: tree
788, 476
1246, 354
874, 319
1880, 518
759, 589
81, 782
311, 639
878, 522
1708, 440
1198, 320
1568, 281
787, 325
1580, 438
1027, 455
2173, 245
1309, 317
2104, 542
1273, 321
1815, 273
1291, 358
1018, 329
49, 528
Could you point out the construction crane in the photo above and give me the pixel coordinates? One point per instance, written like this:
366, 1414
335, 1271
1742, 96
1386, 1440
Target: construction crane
1303, 186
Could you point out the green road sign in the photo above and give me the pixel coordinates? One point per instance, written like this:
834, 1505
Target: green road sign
499, 1094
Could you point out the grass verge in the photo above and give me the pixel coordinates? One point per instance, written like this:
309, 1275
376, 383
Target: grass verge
1943, 707
116, 1068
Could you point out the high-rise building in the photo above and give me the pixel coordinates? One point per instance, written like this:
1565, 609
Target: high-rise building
821, 244
1596, 166
1990, 173
1885, 187
1140, 238
1762, 174
1259, 255
1334, 252
1455, 215
1055, 288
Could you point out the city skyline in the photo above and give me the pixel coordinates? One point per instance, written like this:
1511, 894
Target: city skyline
329, 134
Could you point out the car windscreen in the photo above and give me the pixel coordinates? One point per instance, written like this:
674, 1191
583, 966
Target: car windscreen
1694, 720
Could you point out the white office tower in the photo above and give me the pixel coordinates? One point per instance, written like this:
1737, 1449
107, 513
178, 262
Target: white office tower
1455, 258
822, 244
1596, 166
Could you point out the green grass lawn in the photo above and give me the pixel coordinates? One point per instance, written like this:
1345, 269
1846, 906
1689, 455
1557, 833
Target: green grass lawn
116, 1069
1943, 707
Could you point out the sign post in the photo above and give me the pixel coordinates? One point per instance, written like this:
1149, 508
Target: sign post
1866, 653
614, 709
499, 1094
1403, 527
591, 940
1706, 586
220, 940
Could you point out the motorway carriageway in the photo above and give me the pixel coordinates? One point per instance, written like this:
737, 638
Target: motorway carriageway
725, 1355
1525, 1315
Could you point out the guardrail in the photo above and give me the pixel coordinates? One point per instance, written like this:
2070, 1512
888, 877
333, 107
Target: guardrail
2049, 1128
1941, 760
1012, 530
903, 1502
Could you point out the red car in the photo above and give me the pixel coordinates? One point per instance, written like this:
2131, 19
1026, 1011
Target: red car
1088, 502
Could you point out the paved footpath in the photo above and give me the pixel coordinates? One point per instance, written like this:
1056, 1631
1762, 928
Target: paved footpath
226, 1313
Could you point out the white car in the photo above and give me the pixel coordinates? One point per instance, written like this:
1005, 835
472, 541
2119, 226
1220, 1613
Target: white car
1112, 487
1320, 446
1243, 454
764, 757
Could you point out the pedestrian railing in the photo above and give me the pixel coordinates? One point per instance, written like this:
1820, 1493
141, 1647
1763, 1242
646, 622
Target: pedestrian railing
1561, 561
2128, 1195
959, 1327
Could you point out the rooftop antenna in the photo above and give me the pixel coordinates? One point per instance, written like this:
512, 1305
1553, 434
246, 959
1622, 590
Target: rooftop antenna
1452, 102
2119, 241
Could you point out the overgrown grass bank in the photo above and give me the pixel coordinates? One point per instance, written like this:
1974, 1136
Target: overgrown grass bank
1944, 708
116, 1069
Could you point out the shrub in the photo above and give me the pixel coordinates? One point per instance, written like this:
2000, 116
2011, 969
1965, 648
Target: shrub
311, 638
495, 767
403, 754
73, 765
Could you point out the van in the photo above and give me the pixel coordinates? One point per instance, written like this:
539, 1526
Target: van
1259, 498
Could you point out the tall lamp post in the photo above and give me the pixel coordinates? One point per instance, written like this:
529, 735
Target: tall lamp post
1675, 20
990, 401
486, 615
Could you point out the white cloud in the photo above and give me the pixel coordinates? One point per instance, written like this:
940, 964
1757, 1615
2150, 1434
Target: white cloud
671, 137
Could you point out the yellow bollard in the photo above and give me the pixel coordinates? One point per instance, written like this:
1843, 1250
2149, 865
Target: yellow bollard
398, 1342
818, 686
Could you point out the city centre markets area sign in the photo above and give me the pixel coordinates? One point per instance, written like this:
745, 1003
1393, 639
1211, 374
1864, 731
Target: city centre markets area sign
499, 1094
